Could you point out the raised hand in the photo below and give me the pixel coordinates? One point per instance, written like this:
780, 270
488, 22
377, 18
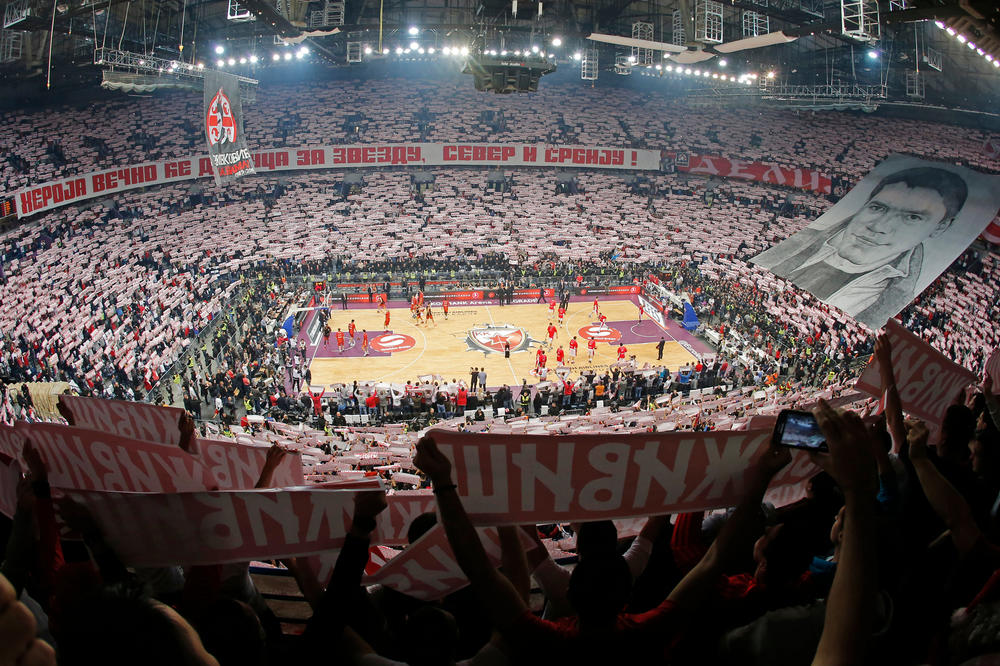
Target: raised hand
64, 412
275, 455
851, 461
186, 427
916, 439
369, 503
883, 353
432, 462
36, 466
773, 459
26, 499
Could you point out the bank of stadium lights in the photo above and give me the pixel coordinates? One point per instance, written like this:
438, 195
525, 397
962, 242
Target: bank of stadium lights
962, 39
680, 70
556, 41
220, 49
577, 56
413, 31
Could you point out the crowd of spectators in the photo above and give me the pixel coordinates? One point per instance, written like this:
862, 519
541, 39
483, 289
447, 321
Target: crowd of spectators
890, 556
177, 295
108, 298
846, 146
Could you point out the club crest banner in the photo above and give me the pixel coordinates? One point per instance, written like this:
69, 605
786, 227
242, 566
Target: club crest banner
223, 121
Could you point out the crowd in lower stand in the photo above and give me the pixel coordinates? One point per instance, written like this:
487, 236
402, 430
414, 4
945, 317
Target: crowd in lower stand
891, 556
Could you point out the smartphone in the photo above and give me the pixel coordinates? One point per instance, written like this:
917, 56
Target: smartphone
799, 430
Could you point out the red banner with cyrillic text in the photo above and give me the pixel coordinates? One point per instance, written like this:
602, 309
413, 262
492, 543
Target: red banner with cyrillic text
46, 196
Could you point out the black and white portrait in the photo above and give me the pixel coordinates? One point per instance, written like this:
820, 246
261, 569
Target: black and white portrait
888, 238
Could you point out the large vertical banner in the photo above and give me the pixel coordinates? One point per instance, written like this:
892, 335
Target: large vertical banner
227, 144
888, 238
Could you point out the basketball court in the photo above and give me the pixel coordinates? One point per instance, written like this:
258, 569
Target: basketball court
474, 336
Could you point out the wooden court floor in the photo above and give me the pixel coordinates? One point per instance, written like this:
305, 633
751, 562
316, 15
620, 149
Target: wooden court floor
443, 349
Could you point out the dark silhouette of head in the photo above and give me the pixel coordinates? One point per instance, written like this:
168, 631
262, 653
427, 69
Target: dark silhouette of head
599, 587
430, 637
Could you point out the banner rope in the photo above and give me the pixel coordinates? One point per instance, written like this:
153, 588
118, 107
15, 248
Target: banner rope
52, 32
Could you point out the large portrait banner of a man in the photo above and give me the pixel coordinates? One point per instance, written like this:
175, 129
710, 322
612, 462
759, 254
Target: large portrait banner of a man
888, 238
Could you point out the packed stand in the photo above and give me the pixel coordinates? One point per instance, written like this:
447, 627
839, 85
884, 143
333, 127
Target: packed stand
888, 556
449, 110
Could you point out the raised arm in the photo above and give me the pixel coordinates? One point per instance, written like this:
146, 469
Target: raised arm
513, 561
992, 403
893, 406
736, 536
849, 607
946, 501
275, 455
344, 593
497, 593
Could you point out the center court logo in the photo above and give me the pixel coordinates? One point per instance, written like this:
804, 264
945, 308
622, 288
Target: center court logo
490, 338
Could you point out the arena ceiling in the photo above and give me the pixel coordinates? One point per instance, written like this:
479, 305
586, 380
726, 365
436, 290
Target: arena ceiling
910, 45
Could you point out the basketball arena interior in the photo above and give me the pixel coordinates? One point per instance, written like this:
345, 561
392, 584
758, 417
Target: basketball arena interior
499, 332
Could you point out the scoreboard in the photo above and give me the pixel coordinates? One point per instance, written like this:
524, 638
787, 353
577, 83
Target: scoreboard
7, 207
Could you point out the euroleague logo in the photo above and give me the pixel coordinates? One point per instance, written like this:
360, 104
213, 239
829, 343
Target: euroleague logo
595, 332
392, 342
492, 338
220, 124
